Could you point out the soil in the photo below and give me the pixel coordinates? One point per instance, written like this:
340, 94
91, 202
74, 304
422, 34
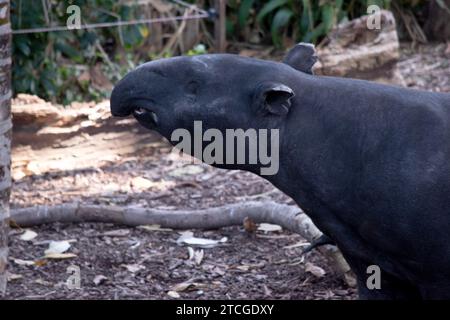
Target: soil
117, 262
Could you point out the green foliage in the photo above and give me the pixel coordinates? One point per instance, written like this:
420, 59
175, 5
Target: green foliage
304, 20
50, 64
56, 65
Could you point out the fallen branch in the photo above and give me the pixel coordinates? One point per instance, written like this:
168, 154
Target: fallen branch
289, 217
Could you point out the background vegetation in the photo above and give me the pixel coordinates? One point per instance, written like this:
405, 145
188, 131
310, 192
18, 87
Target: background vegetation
81, 65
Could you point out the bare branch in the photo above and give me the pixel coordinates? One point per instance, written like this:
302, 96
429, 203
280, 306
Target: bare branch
289, 217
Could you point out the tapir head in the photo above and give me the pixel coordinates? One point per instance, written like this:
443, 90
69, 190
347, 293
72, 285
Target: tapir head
222, 91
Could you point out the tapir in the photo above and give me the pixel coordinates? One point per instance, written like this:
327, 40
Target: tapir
369, 163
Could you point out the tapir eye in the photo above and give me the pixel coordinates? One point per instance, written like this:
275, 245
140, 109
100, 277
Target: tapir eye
139, 111
192, 87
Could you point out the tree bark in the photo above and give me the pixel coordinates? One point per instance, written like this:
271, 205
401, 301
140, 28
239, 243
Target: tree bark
5, 137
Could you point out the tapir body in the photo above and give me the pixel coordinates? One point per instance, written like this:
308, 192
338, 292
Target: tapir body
369, 163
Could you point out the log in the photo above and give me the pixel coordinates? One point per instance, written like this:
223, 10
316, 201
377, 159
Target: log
32, 112
35, 113
49, 138
289, 217
353, 50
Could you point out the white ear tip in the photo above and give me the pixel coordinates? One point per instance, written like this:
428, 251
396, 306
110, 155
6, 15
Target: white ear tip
305, 44
282, 87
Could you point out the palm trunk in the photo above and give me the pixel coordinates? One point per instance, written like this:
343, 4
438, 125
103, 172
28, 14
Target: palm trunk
5, 137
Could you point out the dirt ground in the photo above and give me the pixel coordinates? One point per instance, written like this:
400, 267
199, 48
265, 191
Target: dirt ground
116, 262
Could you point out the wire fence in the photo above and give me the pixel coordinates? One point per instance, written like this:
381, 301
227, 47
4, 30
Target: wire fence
198, 14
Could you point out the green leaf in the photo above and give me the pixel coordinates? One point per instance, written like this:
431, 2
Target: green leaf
269, 7
315, 33
307, 22
68, 50
244, 11
379, 3
229, 25
23, 47
280, 20
328, 17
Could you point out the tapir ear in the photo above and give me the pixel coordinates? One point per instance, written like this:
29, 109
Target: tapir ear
302, 57
273, 98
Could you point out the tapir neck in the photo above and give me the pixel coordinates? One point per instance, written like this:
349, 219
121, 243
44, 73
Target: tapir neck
321, 140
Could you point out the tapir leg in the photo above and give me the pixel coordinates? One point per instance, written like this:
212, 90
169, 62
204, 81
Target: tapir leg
391, 288
359, 254
438, 291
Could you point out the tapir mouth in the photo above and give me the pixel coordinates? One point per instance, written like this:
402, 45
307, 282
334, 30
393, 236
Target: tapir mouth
146, 116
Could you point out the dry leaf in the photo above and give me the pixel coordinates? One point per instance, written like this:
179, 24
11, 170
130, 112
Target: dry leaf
21, 262
219, 271
144, 184
180, 287
117, 233
57, 256
28, 235
187, 286
135, 245
40, 262
267, 227
173, 294
249, 225
99, 279
196, 255
267, 291
141, 183
191, 253
13, 276
42, 282
133, 268
188, 170
296, 245
314, 270
57, 247
154, 227
243, 268
188, 238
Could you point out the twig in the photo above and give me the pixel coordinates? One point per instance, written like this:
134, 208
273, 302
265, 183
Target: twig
106, 58
177, 35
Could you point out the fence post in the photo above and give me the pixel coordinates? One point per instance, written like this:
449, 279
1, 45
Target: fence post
220, 26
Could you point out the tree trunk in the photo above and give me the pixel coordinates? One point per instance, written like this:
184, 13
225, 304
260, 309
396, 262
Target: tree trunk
5, 137
437, 26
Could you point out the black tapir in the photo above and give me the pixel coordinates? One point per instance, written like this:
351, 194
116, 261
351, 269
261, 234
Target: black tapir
369, 163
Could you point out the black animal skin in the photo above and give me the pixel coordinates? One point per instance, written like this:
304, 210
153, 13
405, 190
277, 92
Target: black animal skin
369, 163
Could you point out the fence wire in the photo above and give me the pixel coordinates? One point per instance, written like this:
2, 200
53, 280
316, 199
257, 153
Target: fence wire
200, 14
